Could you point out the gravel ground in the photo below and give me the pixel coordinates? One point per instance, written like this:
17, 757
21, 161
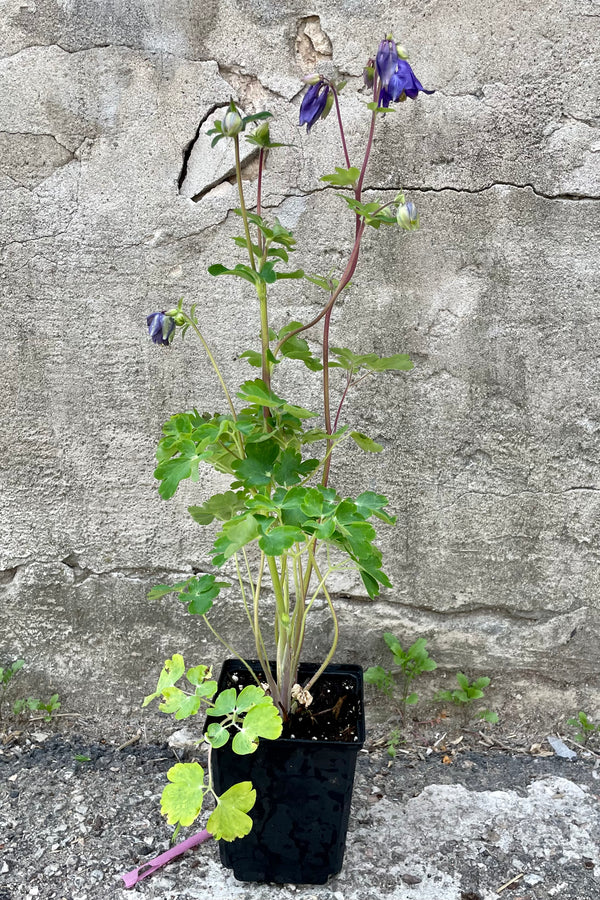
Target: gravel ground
454, 825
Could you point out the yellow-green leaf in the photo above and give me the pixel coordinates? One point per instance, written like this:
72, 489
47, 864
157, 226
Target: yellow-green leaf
182, 798
229, 820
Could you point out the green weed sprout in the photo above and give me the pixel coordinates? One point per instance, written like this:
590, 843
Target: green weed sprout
412, 663
587, 728
466, 694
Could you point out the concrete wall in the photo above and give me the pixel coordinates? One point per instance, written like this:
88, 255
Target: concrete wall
113, 207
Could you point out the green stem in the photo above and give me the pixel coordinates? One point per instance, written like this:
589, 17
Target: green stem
215, 367
238, 174
261, 290
336, 631
230, 649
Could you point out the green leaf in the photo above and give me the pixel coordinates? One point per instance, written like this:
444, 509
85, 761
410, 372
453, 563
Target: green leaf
160, 590
177, 702
256, 392
200, 592
399, 362
279, 252
181, 800
229, 820
482, 682
462, 680
279, 539
297, 273
170, 473
268, 273
319, 501
290, 469
297, 348
412, 699
240, 270
379, 109
365, 442
394, 646
258, 467
342, 177
262, 721
251, 695
235, 534
198, 674
217, 735
224, 704
173, 670
371, 504
220, 506
327, 283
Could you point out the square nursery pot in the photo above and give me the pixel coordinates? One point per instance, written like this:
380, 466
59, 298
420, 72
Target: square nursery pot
303, 788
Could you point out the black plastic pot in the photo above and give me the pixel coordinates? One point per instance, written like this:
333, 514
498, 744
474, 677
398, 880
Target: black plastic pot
303, 794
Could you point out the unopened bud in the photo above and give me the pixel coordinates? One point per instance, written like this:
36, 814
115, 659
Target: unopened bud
262, 133
232, 123
402, 53
407, 216
369, 73
312, 79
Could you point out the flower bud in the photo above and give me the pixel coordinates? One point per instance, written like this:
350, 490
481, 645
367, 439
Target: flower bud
369, 73
232, 123
311, 79
407, 216
262, 134
402, 53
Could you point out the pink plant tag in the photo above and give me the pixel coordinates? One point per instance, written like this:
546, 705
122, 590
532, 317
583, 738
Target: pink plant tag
152, 866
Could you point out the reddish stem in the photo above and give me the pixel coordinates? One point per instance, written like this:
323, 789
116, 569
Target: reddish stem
342, 135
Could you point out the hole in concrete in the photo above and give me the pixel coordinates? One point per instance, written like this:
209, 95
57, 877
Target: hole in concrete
312, 43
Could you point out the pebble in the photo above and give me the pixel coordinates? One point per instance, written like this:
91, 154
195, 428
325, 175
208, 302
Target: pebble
183, 739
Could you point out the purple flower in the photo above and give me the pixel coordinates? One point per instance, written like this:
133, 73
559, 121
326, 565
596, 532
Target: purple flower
313, 104
161, 328
403, 83
387, 60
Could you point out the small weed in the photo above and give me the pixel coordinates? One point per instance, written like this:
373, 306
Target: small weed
411, 663
394, 739
587, 729
24, 706
465, 695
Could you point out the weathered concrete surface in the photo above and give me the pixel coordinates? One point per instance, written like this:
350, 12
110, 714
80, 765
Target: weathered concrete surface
420, 830
492, 442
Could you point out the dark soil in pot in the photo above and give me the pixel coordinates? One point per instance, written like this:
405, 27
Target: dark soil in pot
303, 783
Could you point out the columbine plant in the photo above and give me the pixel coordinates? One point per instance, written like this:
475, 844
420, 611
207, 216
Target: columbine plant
280, 500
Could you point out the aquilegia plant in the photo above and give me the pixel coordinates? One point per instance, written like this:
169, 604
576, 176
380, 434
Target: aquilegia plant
280, 497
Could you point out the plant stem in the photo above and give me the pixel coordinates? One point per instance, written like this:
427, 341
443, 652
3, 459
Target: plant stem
261, 163
326, 396
336, 631
344, 395
230, 649
261, 290
238, 175
216, 368
342, 135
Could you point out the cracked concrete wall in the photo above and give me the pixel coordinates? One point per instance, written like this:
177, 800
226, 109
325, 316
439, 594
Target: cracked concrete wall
114, 207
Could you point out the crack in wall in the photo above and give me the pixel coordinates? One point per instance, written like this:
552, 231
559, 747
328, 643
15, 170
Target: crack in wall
473, 611
187, 150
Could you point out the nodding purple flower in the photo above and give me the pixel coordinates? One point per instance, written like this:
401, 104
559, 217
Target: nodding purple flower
161, 328
313, 104
387, 60
403, 83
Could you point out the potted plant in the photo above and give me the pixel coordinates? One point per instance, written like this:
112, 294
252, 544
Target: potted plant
281, 524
